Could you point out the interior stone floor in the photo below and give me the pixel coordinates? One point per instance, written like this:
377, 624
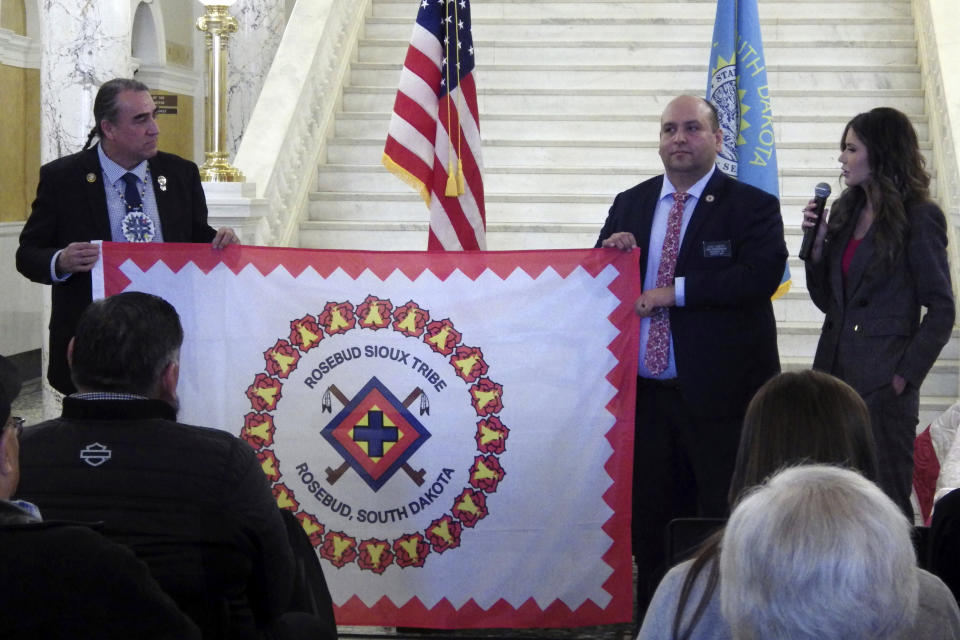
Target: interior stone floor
29, 404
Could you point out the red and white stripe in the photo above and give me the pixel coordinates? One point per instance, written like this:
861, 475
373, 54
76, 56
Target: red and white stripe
418, 148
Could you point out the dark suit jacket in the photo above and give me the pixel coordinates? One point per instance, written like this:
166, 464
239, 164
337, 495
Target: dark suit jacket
71, 206
725, 335
872, 328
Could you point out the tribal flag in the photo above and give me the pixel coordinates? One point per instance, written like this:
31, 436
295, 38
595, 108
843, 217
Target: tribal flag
433, 143
454, 430
737, 87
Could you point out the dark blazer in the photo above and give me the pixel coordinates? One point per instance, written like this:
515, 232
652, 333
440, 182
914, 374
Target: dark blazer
732, 257
71, 206
872, 328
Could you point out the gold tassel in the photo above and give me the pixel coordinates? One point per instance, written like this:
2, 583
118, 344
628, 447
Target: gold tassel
461, 184
451, 190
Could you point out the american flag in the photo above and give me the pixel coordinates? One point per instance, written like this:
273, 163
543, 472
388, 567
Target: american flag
433, 142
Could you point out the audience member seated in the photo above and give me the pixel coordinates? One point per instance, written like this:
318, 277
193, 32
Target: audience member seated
821, 553
62, 580
944, 541
191, 502
795, 418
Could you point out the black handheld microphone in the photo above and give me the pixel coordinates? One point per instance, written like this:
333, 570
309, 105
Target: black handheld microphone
820, 194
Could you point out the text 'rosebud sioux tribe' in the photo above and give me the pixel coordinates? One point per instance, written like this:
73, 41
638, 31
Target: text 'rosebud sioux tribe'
400, 356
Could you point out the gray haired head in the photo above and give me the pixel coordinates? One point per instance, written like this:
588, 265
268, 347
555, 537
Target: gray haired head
818, 553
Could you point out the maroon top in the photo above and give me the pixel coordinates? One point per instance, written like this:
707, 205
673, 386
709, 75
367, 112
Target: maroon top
848, 256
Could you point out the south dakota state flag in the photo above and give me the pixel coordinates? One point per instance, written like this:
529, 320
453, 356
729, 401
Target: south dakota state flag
453, 430
737, 86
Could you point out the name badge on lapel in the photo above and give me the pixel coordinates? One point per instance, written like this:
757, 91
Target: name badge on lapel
718, 249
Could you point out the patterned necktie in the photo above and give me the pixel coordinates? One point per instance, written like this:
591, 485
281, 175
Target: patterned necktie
658, 339
131, 194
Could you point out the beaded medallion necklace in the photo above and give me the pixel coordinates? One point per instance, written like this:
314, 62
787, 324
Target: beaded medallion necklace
136, 226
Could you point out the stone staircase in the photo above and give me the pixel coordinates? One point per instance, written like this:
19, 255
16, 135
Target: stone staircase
570, 94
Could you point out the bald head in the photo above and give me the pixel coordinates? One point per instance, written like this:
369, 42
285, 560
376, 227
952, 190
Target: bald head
690, 139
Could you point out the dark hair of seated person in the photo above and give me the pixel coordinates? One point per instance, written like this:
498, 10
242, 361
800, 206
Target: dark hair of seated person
109, 352
797, 417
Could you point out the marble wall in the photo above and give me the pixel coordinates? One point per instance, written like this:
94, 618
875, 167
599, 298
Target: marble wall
249, 55
945, 15
84, 44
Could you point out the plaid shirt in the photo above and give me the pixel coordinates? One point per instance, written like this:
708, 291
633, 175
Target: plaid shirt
107, 395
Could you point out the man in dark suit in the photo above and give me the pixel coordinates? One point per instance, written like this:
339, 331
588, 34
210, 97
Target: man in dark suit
122, 189
713, 254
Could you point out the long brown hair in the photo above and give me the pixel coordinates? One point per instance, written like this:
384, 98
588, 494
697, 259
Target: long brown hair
898, 179
797, 417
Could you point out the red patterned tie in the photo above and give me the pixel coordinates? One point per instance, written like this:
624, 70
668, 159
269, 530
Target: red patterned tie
658, 339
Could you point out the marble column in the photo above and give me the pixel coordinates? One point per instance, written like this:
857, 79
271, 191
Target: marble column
83, 45
250, 53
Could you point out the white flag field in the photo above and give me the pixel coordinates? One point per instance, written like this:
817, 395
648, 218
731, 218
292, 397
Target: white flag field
454, 431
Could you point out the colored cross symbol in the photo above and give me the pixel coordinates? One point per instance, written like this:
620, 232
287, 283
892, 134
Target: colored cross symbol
416, 475
375, 433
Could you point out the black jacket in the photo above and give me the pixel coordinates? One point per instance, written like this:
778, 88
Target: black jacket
71, 206
726, 334
191, 502
62, 580
873, 327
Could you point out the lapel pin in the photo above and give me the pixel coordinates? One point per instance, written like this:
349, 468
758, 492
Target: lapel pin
710, 198
162, 181
91, 177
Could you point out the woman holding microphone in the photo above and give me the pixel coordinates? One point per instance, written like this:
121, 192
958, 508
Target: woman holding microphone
876, 261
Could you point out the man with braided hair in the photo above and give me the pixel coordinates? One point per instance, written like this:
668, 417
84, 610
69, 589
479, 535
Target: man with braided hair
121, 189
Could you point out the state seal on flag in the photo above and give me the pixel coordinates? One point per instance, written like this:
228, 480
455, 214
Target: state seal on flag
727, 98
403, 442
